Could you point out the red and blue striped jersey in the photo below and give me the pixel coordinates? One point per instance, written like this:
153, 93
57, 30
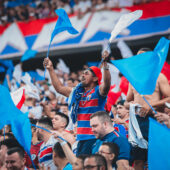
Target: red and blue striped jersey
91, 102
45, 155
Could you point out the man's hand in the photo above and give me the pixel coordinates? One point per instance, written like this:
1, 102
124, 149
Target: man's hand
48, 64
145, 110
118, 121
162, 118
105, 56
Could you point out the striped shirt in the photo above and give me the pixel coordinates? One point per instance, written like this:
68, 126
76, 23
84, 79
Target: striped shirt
45, 155
91, 102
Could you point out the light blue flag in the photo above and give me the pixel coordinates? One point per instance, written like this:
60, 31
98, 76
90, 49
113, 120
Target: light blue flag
143, 70
158, 146
63, 24
28, 55
11, 115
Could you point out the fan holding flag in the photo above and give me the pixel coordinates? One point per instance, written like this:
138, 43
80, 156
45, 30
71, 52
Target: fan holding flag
143, 73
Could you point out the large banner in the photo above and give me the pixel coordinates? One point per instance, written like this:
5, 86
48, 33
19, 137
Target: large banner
93, 29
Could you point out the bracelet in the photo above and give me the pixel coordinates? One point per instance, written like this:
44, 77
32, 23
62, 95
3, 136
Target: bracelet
63, 143
106, 67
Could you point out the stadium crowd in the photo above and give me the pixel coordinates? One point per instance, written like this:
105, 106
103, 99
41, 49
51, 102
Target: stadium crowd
20, 10
98, 137
84, 119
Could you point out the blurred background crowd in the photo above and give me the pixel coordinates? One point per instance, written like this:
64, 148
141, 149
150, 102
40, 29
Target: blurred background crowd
18, 10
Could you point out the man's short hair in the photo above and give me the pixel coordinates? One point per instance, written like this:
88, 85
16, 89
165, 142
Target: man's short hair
103, 116
100, 160
18, 150
145, 49
46, 121
10, 143
113, 148
59, 150
121, 102
63, 116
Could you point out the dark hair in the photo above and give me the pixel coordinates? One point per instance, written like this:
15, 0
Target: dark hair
18, 150
113, 148
121, 102
33, 121
71, 79
59, 150
46, 121
63, 116
145, 49
100, 160
103, 116
10, 143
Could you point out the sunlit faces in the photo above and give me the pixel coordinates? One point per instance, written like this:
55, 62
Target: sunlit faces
14, 162
87, 78
58, 122
105, 151
90, 164
122, 111
98, 128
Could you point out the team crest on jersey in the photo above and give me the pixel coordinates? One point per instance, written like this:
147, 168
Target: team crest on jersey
88, 97
33, 156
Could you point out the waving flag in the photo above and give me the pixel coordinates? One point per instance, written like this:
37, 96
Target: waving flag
63, 24
143, 70
11, 115
28, 55
18, 97
159, 146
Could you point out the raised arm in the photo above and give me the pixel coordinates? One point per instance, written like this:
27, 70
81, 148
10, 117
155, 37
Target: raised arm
68, 152
59, 87
105, 86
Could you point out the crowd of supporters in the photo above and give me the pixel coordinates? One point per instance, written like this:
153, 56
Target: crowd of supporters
48, 109
19, 10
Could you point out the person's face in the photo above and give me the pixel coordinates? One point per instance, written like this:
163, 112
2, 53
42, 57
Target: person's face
87, 78
97, 127
70, 83
105, 151
78, 165
14, 162
64, 109
122, 111
90, 164
57, 122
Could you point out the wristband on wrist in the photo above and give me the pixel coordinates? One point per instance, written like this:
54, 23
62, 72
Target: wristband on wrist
63, 143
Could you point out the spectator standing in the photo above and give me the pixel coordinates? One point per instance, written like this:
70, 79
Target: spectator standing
91, 97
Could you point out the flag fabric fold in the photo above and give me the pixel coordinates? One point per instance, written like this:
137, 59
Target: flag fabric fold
143, 70
11, 115
159, 146
63, 24
28, 55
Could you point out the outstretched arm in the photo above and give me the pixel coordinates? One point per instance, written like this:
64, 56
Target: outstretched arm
105, 86
59, 87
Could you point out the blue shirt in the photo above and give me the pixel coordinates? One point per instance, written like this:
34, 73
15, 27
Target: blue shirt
115, 137
68, 167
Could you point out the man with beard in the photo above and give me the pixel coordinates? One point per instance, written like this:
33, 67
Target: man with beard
104, 131
45, 155
85, 99
15, 159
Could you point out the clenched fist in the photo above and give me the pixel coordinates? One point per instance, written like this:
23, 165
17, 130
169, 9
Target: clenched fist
48, 64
